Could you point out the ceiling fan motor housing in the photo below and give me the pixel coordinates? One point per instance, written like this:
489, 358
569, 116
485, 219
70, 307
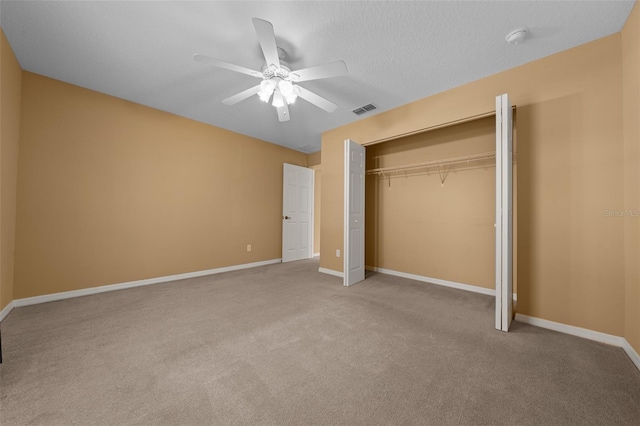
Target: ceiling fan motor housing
271, 72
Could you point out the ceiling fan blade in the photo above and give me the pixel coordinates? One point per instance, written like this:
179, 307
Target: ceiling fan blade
232, 100
267, 39
317, 100
283, 112
226, 65
332, 69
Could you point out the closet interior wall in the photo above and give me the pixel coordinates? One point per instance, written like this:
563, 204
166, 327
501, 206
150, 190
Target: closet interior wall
436, 224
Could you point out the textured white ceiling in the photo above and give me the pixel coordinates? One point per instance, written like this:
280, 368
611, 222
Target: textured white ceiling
396, 52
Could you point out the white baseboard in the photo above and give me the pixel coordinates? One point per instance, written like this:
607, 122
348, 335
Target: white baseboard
113, 287
316, 254
331, 272
631, 353
585, 333
460, 286
5, 311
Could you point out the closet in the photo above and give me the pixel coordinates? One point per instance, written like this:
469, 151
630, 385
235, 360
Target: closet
431, 203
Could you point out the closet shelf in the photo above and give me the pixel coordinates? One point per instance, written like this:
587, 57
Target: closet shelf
438, 165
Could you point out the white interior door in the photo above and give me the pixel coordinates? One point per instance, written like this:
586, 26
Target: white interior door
354, 169
504, 213
297, 213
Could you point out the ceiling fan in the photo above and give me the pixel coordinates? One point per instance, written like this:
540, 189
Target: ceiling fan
277, 76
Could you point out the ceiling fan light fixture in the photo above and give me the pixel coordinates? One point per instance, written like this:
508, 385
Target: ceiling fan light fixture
291, 98
266, 90
278, 100
296, 92
286, 88
264, 97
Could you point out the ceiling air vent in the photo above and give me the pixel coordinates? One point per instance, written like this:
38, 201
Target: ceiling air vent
364, 108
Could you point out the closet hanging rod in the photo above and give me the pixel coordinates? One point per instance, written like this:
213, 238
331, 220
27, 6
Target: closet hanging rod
435, 163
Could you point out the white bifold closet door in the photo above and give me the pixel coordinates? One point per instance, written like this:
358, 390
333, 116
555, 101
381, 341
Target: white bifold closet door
504, 213
354, 169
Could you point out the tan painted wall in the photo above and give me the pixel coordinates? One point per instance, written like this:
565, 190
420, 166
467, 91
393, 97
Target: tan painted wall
110, 191
314, 159
10, 86
631, 133
570, 157
416, 224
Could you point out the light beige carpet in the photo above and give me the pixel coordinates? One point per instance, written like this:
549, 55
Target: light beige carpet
286, 345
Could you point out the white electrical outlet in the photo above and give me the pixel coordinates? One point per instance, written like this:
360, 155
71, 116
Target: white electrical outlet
248, 247
338, 253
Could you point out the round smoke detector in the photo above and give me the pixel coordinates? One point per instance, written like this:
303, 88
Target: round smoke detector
517, 36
